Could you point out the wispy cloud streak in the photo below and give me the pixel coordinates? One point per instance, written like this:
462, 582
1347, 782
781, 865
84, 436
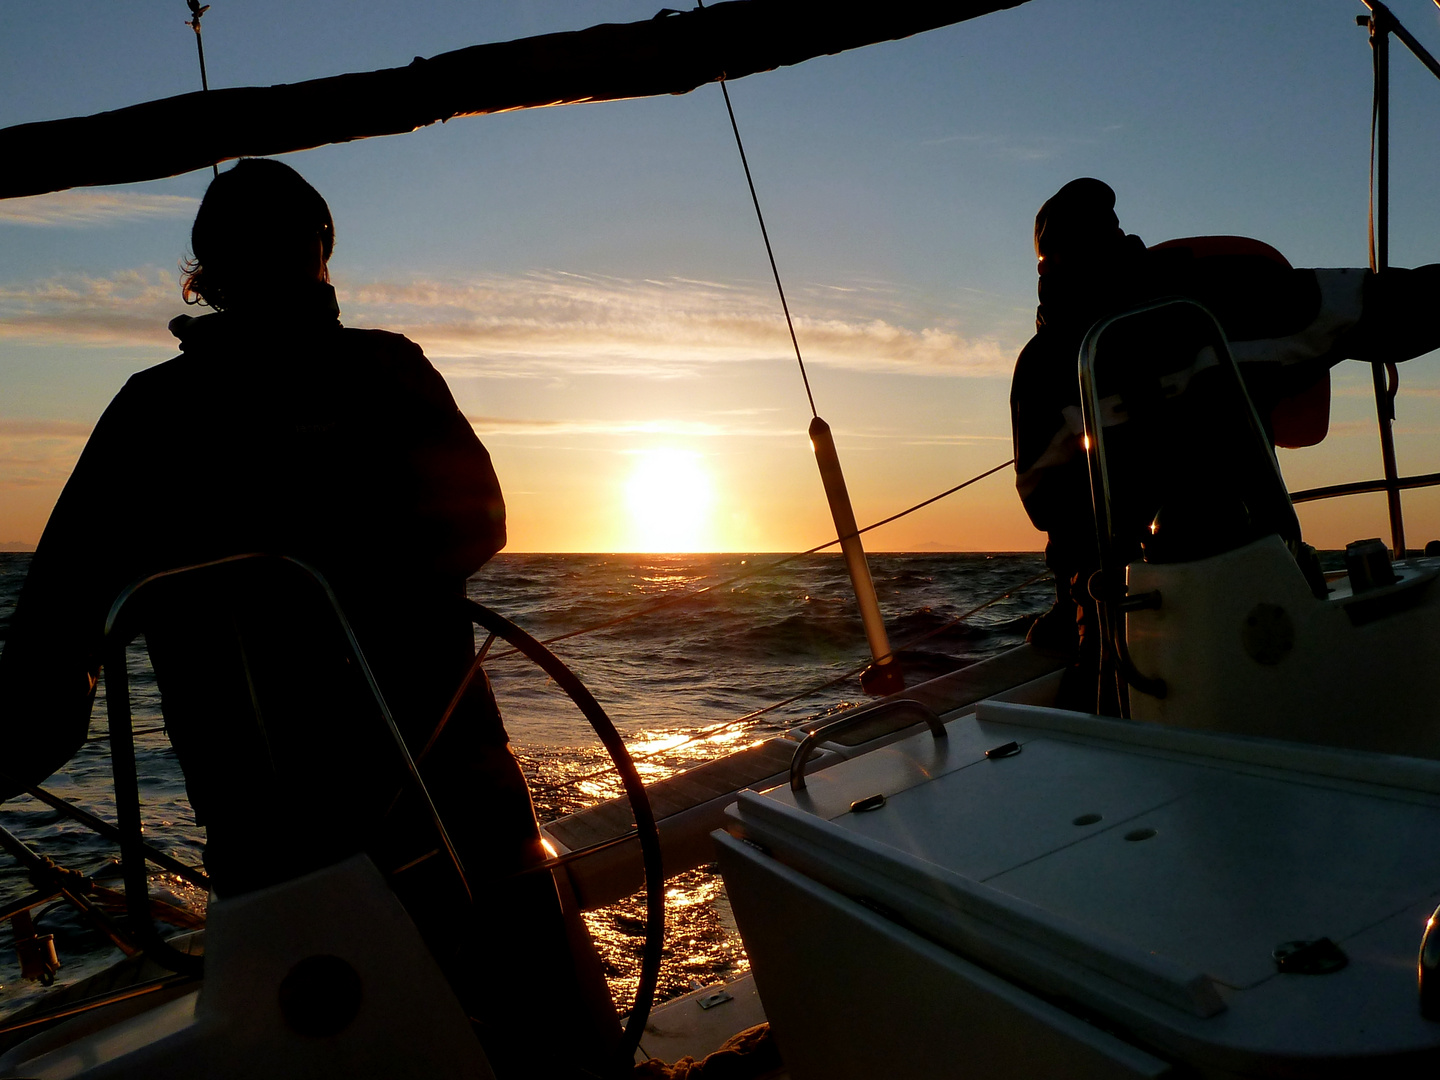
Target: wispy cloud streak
502, 425
130, 308
84, 208
548, 324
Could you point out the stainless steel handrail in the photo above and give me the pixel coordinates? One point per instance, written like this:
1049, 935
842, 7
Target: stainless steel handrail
1363, 487
1111, 593
118, 634
923, 714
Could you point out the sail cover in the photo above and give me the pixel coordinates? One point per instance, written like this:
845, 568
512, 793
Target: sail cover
671, 54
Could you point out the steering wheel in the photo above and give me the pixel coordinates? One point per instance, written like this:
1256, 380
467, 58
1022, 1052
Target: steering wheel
646, 829
119, 632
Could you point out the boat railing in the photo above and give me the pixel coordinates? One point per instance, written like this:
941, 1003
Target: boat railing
1363, 487
1181, 467
127, 621
1381, 22
886, 712
1119, 539
122, 626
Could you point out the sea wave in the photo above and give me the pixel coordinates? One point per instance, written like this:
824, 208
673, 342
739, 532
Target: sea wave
735, 634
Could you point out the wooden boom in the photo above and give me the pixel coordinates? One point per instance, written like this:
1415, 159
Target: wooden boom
670, 54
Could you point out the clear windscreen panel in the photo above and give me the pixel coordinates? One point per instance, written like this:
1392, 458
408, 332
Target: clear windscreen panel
1181, 467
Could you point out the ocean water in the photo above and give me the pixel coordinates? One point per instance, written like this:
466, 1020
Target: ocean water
675, 680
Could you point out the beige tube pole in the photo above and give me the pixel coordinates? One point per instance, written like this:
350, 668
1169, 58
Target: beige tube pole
885, 676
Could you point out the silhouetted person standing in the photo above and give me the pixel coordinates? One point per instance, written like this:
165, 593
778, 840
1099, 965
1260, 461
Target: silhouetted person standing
1286, 327
279, 430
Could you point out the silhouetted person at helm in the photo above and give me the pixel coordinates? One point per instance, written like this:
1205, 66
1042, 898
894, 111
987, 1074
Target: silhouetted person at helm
1286, 328
279, 430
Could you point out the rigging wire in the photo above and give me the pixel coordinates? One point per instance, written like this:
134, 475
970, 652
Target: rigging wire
678, 598
197, 10
765, 235
706, 733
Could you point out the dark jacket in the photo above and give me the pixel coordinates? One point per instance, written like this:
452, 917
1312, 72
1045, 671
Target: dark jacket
287, 434
1286, 328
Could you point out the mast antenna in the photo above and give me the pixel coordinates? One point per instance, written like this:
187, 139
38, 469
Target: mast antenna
197, 10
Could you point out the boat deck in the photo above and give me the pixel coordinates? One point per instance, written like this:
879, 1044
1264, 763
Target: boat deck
700, 1022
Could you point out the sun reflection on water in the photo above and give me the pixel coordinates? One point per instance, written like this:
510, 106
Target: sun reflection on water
702, 944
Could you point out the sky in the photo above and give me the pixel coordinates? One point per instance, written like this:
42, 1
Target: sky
592, 283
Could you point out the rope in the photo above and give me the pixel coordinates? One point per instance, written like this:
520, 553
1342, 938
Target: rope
836, 681
677, 598
933, 498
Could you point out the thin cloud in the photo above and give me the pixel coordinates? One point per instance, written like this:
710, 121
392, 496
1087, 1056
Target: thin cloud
493, 426
75, 209
504, 425
544, 325
132, 308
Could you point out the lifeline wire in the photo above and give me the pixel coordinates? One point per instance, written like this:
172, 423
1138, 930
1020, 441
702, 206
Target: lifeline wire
836, 681
670, 601
765, 235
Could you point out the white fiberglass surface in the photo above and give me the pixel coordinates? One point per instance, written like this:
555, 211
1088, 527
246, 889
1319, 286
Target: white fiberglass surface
1194, 860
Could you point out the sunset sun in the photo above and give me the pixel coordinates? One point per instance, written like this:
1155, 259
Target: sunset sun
669, 496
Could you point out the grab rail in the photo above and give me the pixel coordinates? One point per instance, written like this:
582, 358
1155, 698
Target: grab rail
923, 714
118, 634
1362, 487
